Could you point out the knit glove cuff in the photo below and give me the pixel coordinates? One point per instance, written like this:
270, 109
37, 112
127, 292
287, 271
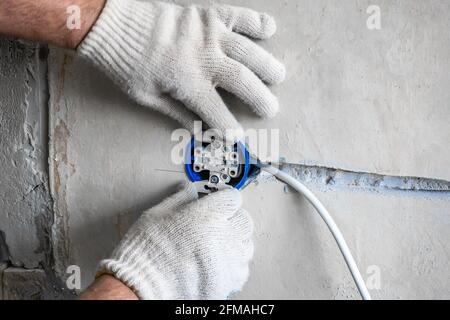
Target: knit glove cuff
115, 42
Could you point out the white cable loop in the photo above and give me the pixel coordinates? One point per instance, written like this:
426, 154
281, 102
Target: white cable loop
343, 247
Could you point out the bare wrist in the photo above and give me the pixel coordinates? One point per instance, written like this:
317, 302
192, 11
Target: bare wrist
89, 13
49, 21
107, 287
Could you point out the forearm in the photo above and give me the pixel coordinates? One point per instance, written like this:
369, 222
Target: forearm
107, 287
46, 20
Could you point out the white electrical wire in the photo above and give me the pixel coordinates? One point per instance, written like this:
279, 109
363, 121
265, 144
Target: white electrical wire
298, 186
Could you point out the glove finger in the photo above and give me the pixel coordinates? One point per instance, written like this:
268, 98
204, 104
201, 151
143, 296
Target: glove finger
247, 21
261, 62
211, 108
219, 204
187, 194
243, 83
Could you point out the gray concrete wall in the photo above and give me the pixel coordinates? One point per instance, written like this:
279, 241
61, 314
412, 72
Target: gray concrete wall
26, 214
23, 161
354, 99
372, 103
402, 234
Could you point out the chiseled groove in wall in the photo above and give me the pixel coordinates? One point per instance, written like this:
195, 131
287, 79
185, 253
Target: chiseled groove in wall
342, 178
36, 133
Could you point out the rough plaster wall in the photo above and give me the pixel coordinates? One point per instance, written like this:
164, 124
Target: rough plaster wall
23, 193
19, 284
25, 202
363, 101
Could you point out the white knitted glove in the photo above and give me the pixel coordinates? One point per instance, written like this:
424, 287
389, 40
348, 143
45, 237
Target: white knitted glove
186, 248
162, 54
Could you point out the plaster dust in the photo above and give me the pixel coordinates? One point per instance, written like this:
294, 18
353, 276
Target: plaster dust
355, 99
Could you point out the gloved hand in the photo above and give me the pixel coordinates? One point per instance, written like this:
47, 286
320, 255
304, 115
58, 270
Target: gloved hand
186, 248
168, 58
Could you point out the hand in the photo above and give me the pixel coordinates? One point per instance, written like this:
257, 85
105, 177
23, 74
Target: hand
186, 248
46, 20
168, 58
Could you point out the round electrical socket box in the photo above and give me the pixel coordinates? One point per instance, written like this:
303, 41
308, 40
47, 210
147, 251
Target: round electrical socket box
217, 163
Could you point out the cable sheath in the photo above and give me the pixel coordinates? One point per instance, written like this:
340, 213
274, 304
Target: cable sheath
323, 212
